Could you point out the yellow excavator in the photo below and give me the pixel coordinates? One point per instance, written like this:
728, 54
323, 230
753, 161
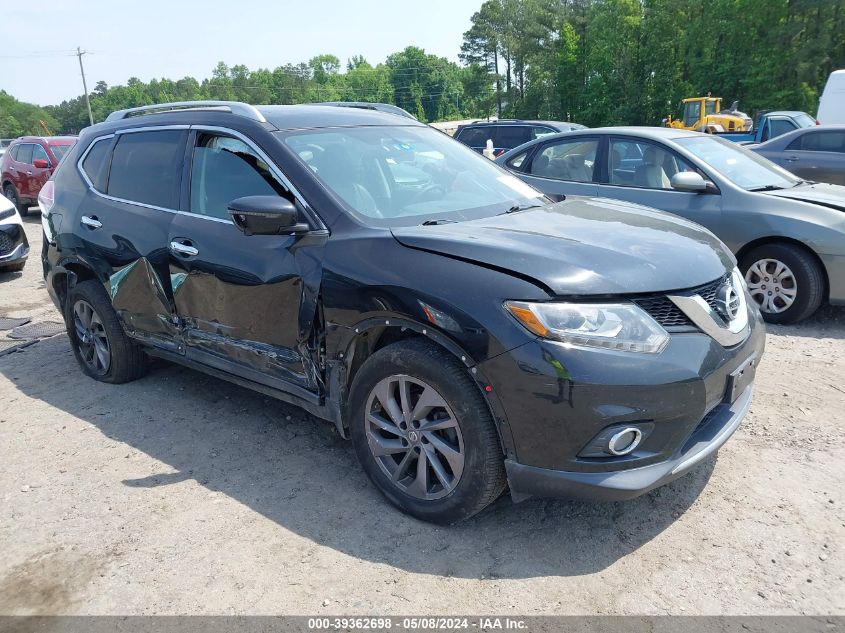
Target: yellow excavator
705, 114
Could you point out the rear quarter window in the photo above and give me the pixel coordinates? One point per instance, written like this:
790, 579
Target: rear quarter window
95, 164
145, 167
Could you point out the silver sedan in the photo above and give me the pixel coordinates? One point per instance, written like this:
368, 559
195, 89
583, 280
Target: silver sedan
788, 234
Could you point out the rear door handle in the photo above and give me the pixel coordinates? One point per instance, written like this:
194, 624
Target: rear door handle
185, 250
791, 159
91, 222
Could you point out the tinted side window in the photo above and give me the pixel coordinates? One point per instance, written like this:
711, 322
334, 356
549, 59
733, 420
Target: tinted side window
820, 142
38, 152
96, 164
14, 152
510, 136
475, 136
567, 160
145, 167
24, 154
781, 126
225, 169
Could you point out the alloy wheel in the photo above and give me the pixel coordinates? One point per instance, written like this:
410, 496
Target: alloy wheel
414, 437
91, 338
772, 285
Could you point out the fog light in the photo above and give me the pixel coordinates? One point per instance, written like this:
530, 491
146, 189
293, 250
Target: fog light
624, 441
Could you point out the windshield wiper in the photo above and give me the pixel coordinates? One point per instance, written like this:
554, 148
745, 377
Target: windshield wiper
436, 222
767, 188
522, 207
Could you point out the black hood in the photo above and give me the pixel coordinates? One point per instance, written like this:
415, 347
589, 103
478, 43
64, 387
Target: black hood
584, 246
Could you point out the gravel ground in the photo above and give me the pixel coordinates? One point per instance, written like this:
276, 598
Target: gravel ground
180, 493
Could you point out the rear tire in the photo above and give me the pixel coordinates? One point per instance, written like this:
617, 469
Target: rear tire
12, 194
100, 345
452, 432
785, 281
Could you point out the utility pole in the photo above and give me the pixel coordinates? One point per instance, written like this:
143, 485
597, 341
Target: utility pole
79, 54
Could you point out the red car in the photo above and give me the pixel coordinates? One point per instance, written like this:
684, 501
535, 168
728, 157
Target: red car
28, 163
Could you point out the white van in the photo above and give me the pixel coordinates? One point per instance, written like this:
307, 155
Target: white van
832, 103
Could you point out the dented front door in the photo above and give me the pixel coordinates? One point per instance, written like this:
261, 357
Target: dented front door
241, 300
238, 299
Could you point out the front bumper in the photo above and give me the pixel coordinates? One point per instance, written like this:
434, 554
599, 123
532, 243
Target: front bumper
556, 401
14, 247
527, 481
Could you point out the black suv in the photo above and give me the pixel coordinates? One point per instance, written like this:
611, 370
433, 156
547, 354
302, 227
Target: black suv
464, 331
508, 133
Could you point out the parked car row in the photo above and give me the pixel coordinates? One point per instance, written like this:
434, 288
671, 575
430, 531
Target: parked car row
787, 233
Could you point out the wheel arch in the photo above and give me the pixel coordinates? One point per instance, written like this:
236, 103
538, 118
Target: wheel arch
778, 239
68, 273
371, 335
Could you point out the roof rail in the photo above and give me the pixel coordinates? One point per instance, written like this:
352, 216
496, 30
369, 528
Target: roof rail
235, 107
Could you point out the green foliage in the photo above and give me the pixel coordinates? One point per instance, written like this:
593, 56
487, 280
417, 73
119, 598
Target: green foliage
19, 119
611, 62
598, 62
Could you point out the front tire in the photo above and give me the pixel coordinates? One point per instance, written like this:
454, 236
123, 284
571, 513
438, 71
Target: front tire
101, 347
424, 434
785, 281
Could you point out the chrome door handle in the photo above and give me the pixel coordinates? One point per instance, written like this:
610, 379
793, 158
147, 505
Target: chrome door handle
791, 159
91, 222
183, 249
29, 173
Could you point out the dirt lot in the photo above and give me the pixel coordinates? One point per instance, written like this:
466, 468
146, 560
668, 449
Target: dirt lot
180, 493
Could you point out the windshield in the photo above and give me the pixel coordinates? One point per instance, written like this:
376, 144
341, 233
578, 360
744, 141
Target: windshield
404, 176
739, 165
804, 120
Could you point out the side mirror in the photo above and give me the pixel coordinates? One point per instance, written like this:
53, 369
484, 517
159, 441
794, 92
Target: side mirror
688, 181
265, 215
41, 163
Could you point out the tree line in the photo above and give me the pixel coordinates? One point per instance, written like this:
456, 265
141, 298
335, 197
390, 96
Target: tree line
596, 62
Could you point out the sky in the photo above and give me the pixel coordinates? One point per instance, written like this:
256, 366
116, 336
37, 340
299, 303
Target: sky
176, 38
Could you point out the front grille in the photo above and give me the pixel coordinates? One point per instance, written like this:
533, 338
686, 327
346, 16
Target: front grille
6, 244
667, 314
664, 312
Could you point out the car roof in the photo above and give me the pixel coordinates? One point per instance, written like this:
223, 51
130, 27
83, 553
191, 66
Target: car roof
370, 105
281, 117
294, 117
60, 140
787, 113
642, 132
519, 122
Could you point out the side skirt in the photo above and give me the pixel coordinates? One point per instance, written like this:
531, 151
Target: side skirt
313, 405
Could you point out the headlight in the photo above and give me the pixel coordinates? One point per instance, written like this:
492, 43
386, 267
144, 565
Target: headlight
617, 326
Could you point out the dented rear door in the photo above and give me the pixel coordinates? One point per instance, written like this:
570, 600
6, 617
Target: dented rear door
125, 224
